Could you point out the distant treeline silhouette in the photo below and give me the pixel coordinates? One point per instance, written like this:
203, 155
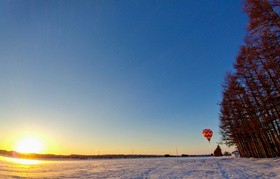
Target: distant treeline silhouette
72, 156
250, 107
88, 157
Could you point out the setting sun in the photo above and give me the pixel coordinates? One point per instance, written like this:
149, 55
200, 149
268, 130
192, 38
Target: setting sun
29, 145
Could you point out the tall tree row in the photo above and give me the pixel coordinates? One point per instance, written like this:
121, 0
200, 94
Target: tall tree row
250, 108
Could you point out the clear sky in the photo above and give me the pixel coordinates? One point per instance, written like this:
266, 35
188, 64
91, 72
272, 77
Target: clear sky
116, 76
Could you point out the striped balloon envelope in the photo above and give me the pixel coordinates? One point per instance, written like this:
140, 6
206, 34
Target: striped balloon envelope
207, 133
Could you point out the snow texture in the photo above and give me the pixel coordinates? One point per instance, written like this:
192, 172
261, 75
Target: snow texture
210, 167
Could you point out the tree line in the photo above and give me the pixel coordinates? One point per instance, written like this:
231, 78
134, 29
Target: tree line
250, 106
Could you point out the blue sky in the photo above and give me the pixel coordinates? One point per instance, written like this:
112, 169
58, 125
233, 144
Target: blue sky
108, 76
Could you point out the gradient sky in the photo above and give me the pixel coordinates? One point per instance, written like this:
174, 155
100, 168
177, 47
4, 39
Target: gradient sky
112, 76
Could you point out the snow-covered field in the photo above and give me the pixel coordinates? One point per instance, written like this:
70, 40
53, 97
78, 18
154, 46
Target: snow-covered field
143, 168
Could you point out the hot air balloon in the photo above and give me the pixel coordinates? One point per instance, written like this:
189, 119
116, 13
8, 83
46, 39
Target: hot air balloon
207, 133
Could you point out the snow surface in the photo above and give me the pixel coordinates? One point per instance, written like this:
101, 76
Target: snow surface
210, 167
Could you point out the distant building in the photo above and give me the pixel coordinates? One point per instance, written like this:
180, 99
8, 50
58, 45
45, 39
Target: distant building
235, 154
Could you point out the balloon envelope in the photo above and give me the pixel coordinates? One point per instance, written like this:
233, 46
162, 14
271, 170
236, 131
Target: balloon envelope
207, 133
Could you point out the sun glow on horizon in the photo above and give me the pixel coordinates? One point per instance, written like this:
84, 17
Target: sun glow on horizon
24, 161
29, 145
